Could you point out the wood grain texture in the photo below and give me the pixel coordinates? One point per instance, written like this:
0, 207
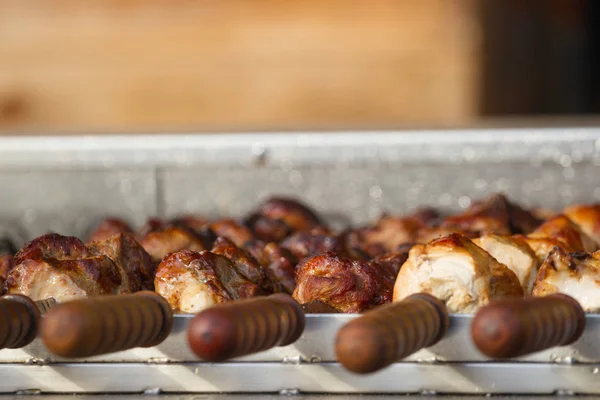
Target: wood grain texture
517, 327
245, 327
106, 324
391, 333
19, 321
237, 64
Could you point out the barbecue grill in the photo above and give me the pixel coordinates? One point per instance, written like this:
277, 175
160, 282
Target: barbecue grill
66, 184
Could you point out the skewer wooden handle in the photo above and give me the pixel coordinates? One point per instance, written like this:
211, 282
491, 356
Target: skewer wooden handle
19, 321
391, 333
245, 327
108, 324
515, 327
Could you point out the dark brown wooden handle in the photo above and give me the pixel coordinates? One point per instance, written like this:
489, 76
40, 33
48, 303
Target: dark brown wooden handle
391, 333
106, 324
245, 327
515, 327
19, 321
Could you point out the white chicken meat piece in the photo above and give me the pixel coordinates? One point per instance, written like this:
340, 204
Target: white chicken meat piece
457, 272
574, 274
515, 253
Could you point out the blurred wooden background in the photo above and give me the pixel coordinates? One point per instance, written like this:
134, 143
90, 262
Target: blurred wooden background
257, 64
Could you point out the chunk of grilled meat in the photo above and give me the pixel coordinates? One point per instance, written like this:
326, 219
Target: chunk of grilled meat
65, 268
242, 261
493, 215
135, 264
278, 263
574, 274
456, 271
7, 262
386, 235
189, 282
558, 231
307, 244
429, 234
194, 223
296, 216
232, 230
109, 227
61, 267
587, 217
158, 243
390, 263
346, 285
515, 253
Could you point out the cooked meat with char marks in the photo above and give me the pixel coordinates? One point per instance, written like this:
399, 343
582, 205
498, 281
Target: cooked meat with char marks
233, 231
574, 274
587, 217
346, 285
278, 263
493, 215
243, 262
390, 263
65, 268
7, 262
558, 231
136, 265
170, 239
515, 253
307, 244
61, 267
457, 272
429, 234
296, 215
109, 227
267, 229
188, 280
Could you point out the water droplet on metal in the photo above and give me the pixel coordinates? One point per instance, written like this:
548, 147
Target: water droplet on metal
464, 202
375, 192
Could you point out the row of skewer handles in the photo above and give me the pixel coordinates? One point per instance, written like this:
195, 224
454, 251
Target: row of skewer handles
89, 327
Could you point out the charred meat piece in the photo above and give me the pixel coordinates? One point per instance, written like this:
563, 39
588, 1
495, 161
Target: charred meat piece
61, 267
152, 225
457, 272
188, 280
558, 231
109, 227
242, 261
136, 265
587, 217
296, 216
429, 234
575, 274
64, 268
267, 229
346, 285
515, 253
233, 231
278, 263
7, 262
385, 236
318, 307
192, 222
52, 246
390, 263
170, 239
493, 215
307, 244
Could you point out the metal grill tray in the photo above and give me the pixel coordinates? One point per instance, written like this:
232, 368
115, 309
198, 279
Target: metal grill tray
65, 184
